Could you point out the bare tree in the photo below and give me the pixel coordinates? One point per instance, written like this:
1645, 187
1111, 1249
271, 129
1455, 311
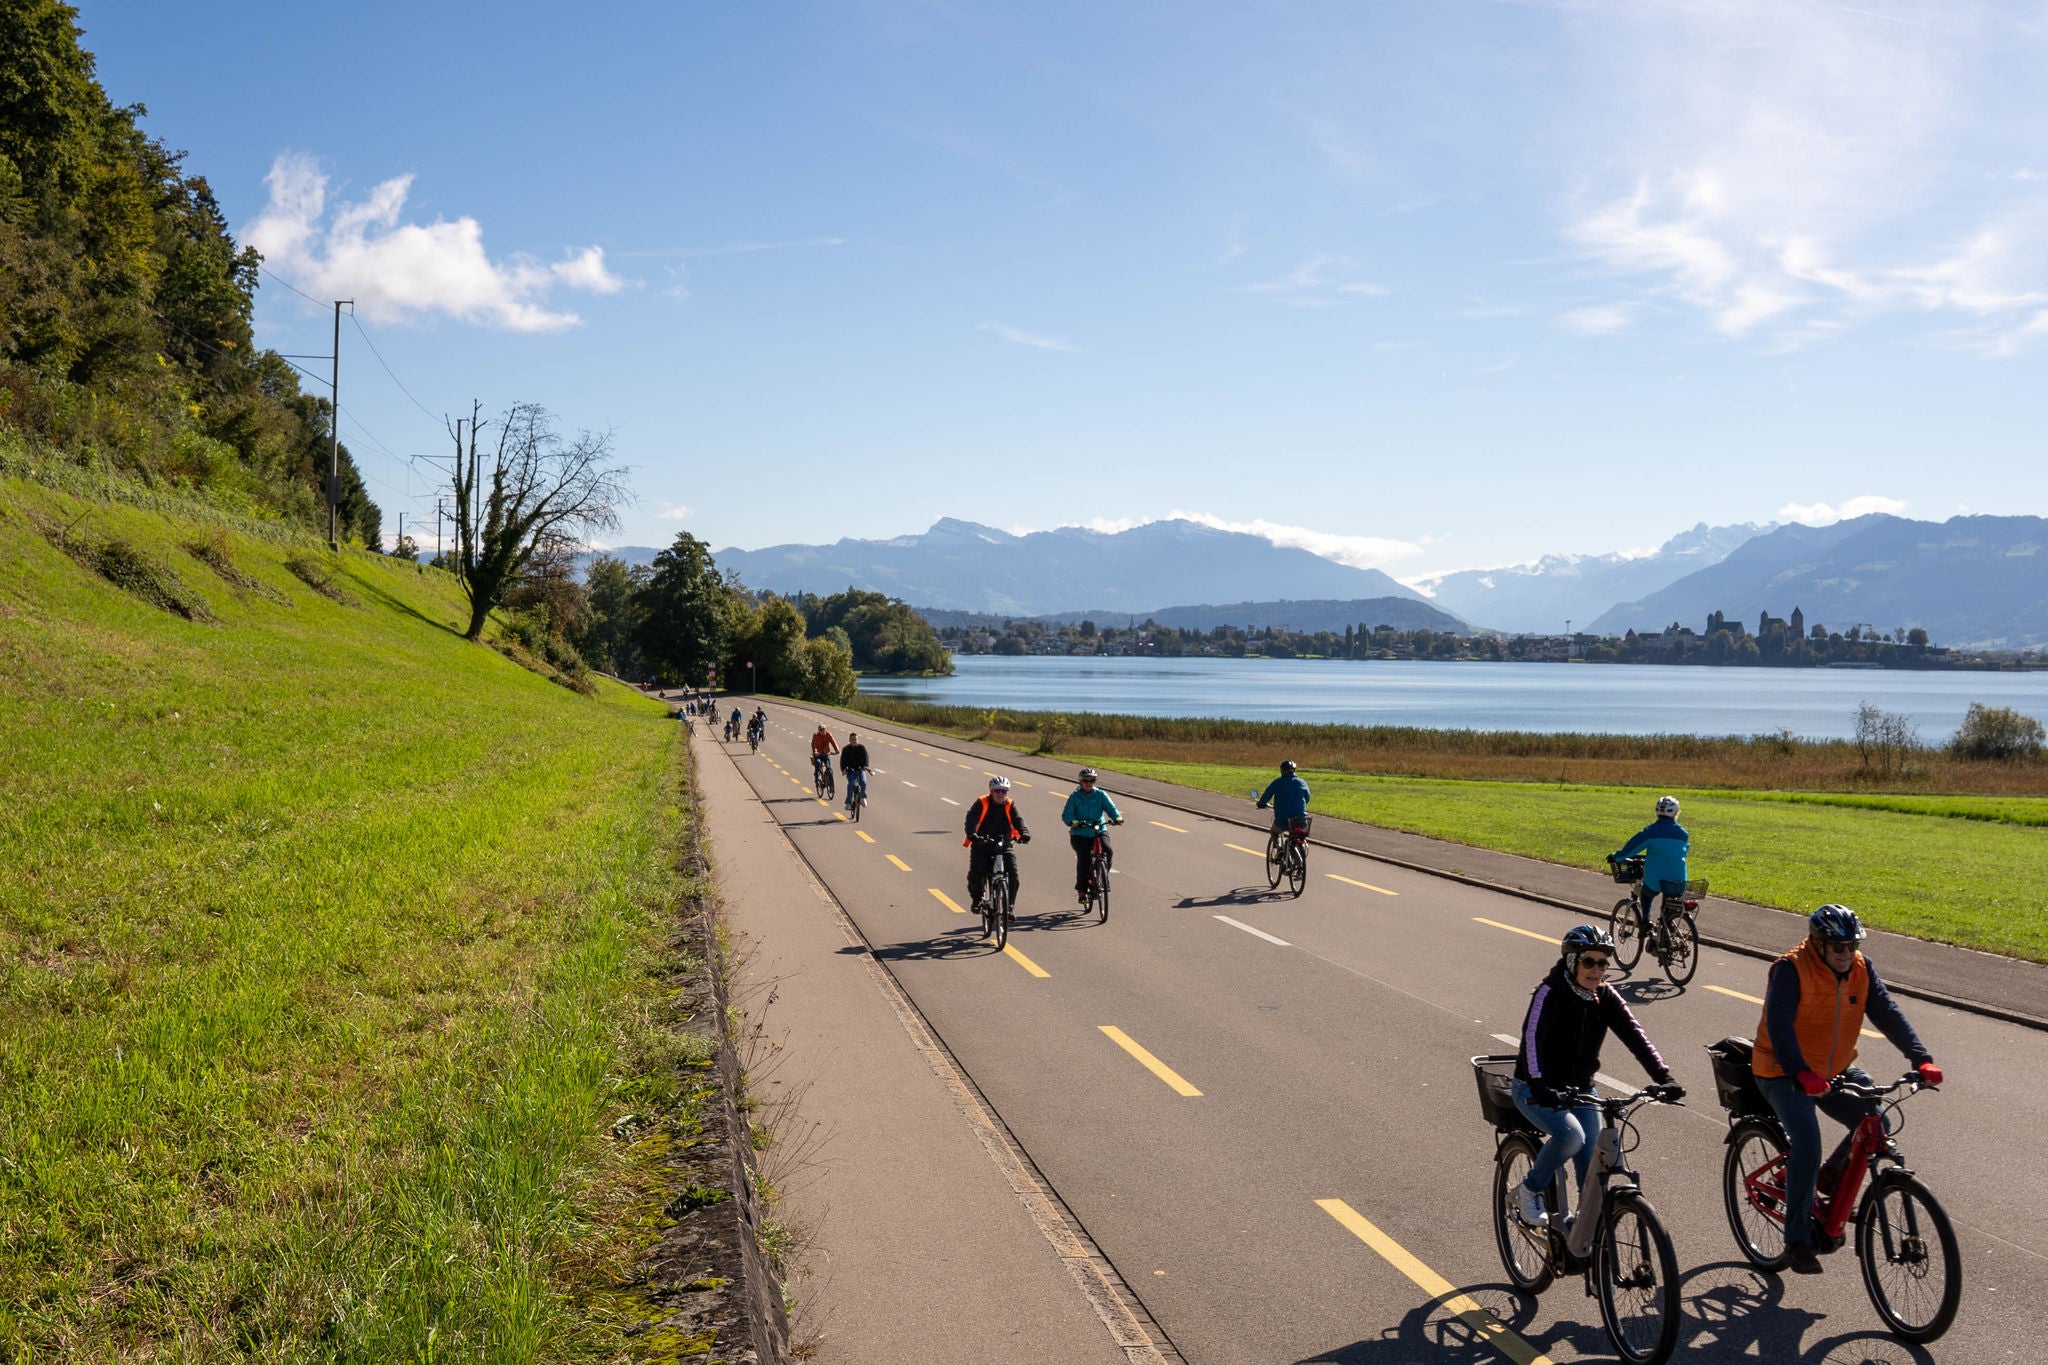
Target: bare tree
538, 492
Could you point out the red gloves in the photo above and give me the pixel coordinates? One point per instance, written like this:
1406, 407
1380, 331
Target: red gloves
1813, 1083
1930, 1074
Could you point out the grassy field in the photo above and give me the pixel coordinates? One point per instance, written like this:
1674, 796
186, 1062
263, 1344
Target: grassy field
330, 944
1979, 880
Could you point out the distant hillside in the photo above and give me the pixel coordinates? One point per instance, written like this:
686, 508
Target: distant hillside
1540, 597
1402, 613
960, 566
1978, 582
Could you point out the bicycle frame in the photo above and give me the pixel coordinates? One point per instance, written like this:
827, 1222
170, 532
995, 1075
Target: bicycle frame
1608, 1170
1869, 1143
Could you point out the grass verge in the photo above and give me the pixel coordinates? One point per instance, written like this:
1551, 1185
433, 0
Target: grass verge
335, 964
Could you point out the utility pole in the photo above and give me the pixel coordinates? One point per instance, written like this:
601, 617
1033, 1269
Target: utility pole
437, 535
401, 532
334, 450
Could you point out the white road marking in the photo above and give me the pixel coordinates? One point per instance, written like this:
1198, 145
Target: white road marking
951, 802
1612, 1084
1260, 933
908, 783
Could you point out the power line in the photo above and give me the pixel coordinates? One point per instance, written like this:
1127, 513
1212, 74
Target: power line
289, 285
387, 368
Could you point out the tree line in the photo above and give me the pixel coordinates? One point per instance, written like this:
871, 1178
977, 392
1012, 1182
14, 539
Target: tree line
125, 304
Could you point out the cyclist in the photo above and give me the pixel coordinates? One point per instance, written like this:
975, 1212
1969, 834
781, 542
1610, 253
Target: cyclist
1569, 1016
823, 746
1663, 843
992, 817
1814, 1006
853, 761
732, 727
1287, 794
1088, 813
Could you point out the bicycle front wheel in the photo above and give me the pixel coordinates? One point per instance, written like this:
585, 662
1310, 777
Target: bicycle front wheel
1753, 1189
1101, 877
1296, 859
1628, 935
860, 798
1524, 1251
999, 910
1682, 949
1272, 861
1910, 1264
1635, 1274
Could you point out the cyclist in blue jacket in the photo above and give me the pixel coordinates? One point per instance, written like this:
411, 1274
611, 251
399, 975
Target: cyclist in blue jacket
1089, 812
1287, 794
1663, 843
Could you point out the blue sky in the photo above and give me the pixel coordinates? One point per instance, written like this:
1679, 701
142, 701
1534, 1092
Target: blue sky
1423, 286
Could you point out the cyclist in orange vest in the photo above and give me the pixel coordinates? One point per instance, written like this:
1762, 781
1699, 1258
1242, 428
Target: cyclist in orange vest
992, 817
1814, 1007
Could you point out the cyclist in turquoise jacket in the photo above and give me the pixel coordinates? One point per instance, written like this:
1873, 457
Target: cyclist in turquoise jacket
1089, 812
1663, 843
1287, 794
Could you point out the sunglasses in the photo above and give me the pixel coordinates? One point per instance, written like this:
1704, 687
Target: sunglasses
1598, 964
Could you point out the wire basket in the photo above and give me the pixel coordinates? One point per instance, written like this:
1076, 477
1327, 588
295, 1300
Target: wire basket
1496, 1078
1734, 1083
1626, 870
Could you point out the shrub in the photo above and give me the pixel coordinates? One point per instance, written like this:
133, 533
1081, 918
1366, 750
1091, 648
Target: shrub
1884, 738
1999, 734
137, 572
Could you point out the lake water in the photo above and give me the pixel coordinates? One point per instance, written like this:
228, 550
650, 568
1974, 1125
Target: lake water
1814, 703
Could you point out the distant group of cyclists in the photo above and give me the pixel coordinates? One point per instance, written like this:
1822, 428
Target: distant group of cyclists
1817, 996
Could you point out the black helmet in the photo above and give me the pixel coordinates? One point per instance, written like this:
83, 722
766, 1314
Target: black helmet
1836, 924
1578, 940
1287, 765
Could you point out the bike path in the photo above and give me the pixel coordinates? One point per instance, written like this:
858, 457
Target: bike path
1943, 973
1334, 1063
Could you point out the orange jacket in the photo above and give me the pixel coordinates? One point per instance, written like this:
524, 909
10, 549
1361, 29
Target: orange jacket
1829, 1018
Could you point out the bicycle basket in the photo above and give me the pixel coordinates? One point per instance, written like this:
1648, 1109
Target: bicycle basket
1734, 1083
1299, 828
1696, 888
1496, 1078
1626, 870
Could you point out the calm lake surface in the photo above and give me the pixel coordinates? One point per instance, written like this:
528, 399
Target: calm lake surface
1814, 703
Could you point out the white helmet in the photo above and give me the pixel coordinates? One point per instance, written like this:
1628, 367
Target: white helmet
999, 784
1668, 805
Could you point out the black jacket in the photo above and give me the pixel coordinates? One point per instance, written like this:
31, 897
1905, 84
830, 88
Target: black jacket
853, 756
986, 818
1563, 1031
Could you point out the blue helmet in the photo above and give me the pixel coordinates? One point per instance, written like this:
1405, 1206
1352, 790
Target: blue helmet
1836, 924
1578, 940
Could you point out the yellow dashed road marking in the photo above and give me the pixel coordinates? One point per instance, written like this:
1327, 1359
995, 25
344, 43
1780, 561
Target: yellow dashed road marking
1367, 885
945, 900
1525, 933
1147, 1060
1010, 951
1175, 828
896, 860
865, 837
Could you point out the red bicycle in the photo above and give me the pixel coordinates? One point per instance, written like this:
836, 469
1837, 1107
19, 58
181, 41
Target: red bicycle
1911, 1267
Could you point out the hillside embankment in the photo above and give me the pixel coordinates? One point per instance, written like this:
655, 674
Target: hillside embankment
1933, 846
359, 1000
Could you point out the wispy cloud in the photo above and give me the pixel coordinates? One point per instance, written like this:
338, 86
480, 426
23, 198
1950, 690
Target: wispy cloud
1360, 552
675, 511
396, 271
1032, 339
1599, 319
1827, 514
1321, 281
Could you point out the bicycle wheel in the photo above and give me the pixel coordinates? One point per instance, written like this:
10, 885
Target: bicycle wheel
1628, 936
1100, 874
1524, 1251
1272, 861
1753, 1189
857, 799
1635, 1275
1682, 944
999, 907
1910, 1264
1296, 859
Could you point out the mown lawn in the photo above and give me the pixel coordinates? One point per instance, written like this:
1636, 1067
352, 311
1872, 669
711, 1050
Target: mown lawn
1968, 870
329, 945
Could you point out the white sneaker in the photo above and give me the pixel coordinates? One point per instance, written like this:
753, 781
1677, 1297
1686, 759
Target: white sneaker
1529, 1207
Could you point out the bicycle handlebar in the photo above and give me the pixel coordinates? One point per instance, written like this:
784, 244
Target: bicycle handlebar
1618, 1105
1911, 1083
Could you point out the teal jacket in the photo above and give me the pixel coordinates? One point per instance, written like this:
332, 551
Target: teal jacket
1288, 796
1089, 808
1663, 843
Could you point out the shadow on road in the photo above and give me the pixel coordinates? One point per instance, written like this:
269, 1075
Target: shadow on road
1243, 895
1648, 991
966, 941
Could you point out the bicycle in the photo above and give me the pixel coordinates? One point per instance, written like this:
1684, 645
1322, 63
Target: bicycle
993, 904
1098, 877
1288, 857
1616, 1240
1674, 937
821, 776
856, 792
1912, 1269
754, 738
732, 731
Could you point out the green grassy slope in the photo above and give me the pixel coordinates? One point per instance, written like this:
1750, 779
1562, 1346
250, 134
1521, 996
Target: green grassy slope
1959, 869
327, 942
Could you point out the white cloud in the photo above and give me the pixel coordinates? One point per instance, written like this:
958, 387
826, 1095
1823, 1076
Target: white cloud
1043, 343
1598, 320
1826, 514
1790, 169
396, 271
675, 511
1360, 552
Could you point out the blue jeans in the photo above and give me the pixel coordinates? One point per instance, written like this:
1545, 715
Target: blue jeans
857, 779
1571, 1133
1800, 1113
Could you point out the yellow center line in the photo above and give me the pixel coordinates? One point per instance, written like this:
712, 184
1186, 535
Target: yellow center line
1484, 1325
896, 860
1525, 933
1758, 1000
1147, 1060
865, 837
838, 814
1367, 885
1021, 782
1242, 849
968, 766
1010, 951
946, 900
1163, 825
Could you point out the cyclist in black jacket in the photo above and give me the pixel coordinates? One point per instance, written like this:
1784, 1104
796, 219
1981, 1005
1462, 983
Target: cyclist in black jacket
994, 816
853, 761
1569, 1016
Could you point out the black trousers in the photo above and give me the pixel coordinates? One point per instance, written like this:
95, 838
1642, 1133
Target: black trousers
980, 861
1084, 854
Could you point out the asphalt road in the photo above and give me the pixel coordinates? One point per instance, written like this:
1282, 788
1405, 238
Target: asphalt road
1328, 1038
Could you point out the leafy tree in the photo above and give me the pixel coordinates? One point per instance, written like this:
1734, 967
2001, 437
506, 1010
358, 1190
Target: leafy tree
542, 492
772, 639
829, 674
1998, 733
605, 636
684, 616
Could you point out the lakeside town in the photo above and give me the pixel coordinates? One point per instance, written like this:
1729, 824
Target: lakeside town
1774, 642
